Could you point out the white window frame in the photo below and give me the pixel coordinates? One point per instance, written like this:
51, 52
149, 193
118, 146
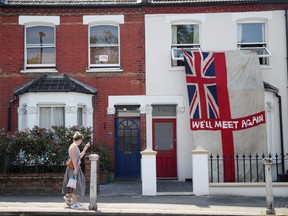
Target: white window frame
108, 66
181, 57
52, 119
257, 46
92, 20
188, 47
26, 65
29, 21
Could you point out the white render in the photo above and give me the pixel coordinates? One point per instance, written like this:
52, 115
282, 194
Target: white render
30, 102
218, 32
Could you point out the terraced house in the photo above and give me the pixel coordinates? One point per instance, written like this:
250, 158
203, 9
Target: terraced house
124, 68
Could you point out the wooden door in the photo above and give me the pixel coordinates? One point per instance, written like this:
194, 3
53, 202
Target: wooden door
164, 142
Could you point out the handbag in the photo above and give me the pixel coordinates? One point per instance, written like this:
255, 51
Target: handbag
72, 182
69, 164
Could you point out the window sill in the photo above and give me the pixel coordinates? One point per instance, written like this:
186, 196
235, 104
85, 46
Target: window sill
177, 68
103, 70
39, 71
265, 67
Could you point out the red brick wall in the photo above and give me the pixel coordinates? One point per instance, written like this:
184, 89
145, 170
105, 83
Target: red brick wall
31, 183
213, 9
72, 58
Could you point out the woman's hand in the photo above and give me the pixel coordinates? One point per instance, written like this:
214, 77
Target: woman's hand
75, 172
84, 150
87, 145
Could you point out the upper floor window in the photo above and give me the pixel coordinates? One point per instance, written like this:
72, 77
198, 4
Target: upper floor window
104, 46
252, 36
184, 36
39, 43
40, 49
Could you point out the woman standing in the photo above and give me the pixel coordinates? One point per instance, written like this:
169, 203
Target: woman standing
71, 195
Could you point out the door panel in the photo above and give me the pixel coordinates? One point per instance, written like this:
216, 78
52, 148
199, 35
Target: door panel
164, 142
127, 148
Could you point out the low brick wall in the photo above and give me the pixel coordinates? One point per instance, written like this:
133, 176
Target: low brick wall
38, 183
31, 183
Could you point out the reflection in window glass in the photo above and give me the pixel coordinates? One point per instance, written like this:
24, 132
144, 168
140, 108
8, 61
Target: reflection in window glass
184, 36
40, 46
251, 36
251, 33
104, 46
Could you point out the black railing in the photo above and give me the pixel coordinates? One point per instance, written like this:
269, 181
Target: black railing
9, 165
248, 168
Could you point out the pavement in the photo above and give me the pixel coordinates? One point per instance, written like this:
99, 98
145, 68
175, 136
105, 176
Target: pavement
124, 198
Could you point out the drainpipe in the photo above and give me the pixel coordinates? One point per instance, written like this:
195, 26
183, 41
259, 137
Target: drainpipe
9, 113
286, 22
282, 147
281, 132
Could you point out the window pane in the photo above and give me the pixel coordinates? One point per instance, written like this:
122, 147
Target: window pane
104, 55
163, 110
164, 136
51, 116
104, 34
251, 33
41, 56
185, 34
40, 35
45, 117
80, 116
58, 116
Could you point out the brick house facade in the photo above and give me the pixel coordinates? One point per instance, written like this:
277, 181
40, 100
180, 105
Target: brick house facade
72, 57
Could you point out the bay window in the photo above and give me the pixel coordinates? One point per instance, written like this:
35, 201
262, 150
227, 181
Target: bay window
51, 115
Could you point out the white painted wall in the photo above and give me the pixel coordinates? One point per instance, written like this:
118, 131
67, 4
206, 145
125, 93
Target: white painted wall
218, 32
69, 99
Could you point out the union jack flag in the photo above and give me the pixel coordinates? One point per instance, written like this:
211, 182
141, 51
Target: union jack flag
201, 84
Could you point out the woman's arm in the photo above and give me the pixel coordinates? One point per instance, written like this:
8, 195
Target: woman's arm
74, 158
84, 150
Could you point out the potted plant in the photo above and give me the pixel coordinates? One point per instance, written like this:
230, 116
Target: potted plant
104, 162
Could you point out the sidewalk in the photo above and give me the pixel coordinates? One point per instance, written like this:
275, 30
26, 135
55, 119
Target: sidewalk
130, 202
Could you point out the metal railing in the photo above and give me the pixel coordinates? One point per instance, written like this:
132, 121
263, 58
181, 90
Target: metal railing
248, 168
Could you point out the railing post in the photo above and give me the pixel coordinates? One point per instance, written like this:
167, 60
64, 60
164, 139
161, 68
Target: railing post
200, 171
93, 182
269, 190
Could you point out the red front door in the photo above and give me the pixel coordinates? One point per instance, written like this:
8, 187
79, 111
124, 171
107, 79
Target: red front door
164, 142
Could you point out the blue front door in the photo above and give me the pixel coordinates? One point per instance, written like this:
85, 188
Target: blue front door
127, 148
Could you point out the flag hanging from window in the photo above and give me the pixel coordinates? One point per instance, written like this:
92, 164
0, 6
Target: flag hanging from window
226, 103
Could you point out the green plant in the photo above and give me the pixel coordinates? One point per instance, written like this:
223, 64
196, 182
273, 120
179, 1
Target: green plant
39, 146
105, 159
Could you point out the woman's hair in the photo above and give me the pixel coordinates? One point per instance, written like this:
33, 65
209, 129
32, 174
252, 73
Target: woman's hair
78, 136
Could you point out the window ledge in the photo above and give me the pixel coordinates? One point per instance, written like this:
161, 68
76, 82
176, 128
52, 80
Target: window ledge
176, 68
103, 70
39, 71
265, 67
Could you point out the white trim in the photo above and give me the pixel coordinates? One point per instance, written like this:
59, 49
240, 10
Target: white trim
90, 19
103, 70
185, 18
251, 15
181, 57
46, 70
25, 20
254, 49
